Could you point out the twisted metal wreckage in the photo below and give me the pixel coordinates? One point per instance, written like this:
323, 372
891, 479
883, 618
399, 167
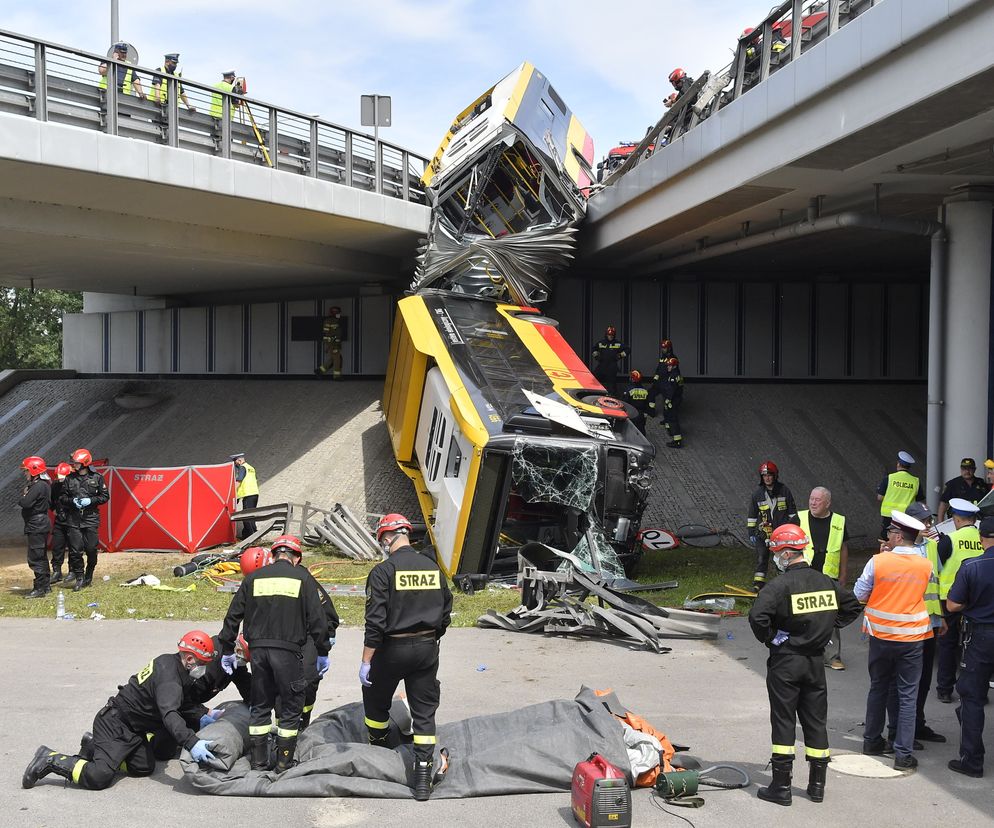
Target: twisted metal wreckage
520, 460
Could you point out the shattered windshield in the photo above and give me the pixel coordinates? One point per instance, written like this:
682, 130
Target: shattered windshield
601, 558
548, 473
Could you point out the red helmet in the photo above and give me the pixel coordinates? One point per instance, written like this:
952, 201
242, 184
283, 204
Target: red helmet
788, 536
610, 330
289, 542
768, 467
82, 456
34, 465
672, 362
635, 376
677, 75
242, 644
666, 345
198, 643
334, 311
63, 470
253, 558
392, 523
748, 30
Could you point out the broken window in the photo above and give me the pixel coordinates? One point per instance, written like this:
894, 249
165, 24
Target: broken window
595, 551
551, 473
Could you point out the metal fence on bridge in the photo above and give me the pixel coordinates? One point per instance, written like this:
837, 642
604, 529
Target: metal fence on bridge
62, 85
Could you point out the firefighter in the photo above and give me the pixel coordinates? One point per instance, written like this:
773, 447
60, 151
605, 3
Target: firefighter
150, 700
332, 337
795, 617
60, 526
83, 493
607, 356
246, 490
898, 490
960, 545
681, 82
637, 396
35, 502
894, 585
972, 594
672, 390
408, 608
280, 612
770, 506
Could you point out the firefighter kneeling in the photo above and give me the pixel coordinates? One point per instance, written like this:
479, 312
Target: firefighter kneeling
408, 607
795, 616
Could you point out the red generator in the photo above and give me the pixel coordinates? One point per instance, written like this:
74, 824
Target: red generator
601, 795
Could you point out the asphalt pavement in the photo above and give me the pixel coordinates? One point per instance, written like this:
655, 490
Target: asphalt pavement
709, 695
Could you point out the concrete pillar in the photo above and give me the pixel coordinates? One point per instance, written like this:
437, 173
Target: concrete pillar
967, 361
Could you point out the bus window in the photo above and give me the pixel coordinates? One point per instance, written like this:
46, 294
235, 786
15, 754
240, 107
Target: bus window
454, 460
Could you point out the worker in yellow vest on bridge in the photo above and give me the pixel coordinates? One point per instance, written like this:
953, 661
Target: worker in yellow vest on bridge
228, 83
127, 79
960, 545
827, 550
898, 490
160, 85
247, 490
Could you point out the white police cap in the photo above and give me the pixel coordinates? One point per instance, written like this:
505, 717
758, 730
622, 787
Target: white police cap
962, 507
905, 458
905, 521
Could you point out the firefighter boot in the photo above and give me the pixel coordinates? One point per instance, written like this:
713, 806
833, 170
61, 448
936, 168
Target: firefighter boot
75, 580
259, 752
285, 748
88, 577
817, 771
305, 719
778, 790
422, 776
86, 745
48, 761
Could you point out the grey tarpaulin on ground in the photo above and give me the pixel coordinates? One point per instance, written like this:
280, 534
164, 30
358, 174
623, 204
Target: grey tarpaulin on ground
531, 750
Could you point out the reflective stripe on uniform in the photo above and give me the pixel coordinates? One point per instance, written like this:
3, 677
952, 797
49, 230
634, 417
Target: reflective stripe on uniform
258, 730
815, 753
833, 548
897, 631
286, 733
377, 725
77, 770
308, 708
269, 587
899, 616
423, 740
784, 750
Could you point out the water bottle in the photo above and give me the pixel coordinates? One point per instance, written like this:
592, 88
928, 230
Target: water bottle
711, 604
60, 607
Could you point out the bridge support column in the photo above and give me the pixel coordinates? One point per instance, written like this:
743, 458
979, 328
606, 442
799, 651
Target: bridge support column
966, 359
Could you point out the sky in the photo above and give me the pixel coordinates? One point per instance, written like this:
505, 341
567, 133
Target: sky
608, 60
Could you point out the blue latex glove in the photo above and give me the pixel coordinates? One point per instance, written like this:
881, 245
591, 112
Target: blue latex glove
323, 663
779, 638
364, 674
84, 502
228, 663
331, 643
76, 503
201, 751
206, 719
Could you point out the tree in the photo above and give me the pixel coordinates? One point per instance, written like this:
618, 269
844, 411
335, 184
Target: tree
31, 326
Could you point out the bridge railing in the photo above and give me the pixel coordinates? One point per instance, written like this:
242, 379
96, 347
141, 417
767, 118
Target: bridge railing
63, 85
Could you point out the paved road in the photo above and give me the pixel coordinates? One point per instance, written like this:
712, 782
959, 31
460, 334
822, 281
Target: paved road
708, 695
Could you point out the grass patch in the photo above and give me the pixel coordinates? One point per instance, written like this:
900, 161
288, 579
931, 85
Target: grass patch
697, 570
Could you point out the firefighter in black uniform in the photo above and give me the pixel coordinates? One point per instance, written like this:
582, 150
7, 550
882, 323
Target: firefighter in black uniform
60, 528
796, 616
607, 355
770, 506
310, 654
280, 610
408, 607
638, 397
82, 494
332, 337
151, 700
671, 387
35, 502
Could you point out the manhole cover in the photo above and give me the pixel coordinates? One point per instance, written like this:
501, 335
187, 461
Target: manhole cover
869, 767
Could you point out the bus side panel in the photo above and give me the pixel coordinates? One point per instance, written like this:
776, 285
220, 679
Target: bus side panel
486, 515
406, 372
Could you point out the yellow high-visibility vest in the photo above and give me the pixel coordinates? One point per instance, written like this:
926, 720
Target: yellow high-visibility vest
932, 593
217, 100
902, 488
249, 485
160, 89
833, 550
126, 86
966, 545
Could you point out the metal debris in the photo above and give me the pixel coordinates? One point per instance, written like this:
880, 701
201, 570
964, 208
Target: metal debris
315, 526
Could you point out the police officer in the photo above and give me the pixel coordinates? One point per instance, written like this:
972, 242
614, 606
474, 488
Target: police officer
408, 608
608, 353
226, 84
966, 486
126, 77
151, 700
160, 83
332, 337
246, 490
898, 490
972, 594
671, 387
796, 616
60, 527
35, 502
828, 548
961, 544
770, 506
893, 585
281, 609
637, 396
85, 490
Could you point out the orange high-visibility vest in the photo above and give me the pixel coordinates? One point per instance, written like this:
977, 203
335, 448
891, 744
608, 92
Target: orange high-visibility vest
896, 608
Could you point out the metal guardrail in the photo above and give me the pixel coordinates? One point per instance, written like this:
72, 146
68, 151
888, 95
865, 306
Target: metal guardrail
789, 30
59, 84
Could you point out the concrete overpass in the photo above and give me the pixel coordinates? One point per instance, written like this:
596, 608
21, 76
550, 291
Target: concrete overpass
114, 194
